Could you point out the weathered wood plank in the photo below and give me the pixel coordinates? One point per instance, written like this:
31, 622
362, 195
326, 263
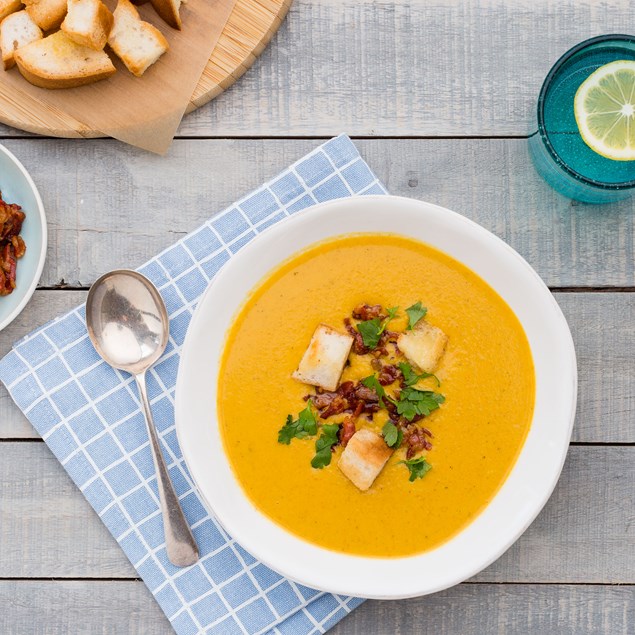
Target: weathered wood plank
477, 609
111, 206
603, 327
469, 609
575, 539
413, 67
90, 608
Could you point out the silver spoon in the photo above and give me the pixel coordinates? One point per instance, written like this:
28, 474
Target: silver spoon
128, 326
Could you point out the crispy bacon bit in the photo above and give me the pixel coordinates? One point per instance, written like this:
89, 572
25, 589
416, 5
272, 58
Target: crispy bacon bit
347, 430
358, 341
351, 397
365, 394
12, 246
367, 312
415, 438
388, 374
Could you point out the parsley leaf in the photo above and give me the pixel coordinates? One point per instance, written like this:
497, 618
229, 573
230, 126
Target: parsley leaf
304, 426
324, 444
418, 468
393, 436
371, 330
415, 313
373, 383
411, 378
413, 402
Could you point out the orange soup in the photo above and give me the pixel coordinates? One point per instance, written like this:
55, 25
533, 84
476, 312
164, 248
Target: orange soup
473, 435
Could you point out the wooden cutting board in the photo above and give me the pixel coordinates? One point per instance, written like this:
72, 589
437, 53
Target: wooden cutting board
249, 29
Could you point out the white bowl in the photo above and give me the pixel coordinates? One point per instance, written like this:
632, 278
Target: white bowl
530, 482
17, 187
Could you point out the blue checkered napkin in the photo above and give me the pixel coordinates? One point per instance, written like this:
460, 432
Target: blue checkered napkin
90, 417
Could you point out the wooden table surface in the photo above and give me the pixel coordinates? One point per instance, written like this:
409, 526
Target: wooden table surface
438, 95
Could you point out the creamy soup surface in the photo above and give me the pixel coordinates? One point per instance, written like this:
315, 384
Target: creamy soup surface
486, 375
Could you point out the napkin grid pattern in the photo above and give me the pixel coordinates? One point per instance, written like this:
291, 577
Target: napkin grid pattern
89, 415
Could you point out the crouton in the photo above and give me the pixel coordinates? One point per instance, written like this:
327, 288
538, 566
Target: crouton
47, 14
423, 346
88, 22
323, 361
364, 458
7, 7
16, 31
137, 43
57, 62
168, 11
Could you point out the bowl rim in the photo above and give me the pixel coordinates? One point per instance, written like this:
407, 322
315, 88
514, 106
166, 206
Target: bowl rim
44, 232
371, 590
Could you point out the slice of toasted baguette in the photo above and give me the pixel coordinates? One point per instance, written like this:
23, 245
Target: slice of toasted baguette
17, 30
7, 7
57, 62
47, 14
137, 43
168, 10
88, 22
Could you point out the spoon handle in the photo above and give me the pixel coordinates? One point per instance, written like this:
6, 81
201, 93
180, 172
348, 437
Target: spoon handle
179, 541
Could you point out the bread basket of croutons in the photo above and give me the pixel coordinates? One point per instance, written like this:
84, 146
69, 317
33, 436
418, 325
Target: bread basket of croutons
121, 68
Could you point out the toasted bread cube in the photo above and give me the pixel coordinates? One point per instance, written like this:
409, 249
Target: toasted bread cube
88, 22
364, 458
137, 43
7, 7
423, 346
168, 10
47, 14
323, 362
16, 31
57, 62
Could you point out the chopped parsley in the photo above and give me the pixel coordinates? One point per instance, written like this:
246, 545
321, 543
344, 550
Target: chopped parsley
393, 436
373, 383
415, 313
305, 425
418, 468
413, 402
411, 378
371, 330
324, 444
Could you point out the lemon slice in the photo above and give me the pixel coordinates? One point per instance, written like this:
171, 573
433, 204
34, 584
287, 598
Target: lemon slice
604, 109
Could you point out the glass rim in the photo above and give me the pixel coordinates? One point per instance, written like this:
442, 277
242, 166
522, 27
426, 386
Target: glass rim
541, 108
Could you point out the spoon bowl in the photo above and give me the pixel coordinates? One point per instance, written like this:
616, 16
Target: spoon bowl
127, 321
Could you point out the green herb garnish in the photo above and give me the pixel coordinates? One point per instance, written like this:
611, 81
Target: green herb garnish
415, 313
413, 402
324, 444
371, 330
411, 378
418, 468
393, 436
304, 426
373, 383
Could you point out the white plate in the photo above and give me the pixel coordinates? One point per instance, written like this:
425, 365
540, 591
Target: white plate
17, 187
530, 482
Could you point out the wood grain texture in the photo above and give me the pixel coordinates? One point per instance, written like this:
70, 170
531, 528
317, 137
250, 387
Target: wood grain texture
39, 607
575, 539
603, 327
249, 28
413, 67
110, 206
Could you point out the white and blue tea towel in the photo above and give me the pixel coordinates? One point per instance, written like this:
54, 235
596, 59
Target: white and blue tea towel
89, 415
